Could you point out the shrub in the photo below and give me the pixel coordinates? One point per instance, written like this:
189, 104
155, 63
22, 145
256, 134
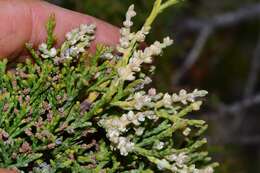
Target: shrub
68, 110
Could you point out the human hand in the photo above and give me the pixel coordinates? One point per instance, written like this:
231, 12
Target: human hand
23, 21
6, 171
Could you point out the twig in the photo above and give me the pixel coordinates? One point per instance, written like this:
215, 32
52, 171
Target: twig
241, 105
194, 54
207, 26
237, 109
254, 70
226, 19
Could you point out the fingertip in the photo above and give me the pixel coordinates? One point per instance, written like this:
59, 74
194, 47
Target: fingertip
7, 171
66, 20
25, 20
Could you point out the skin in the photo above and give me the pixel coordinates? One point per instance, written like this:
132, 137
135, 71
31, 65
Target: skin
23, 21
6, 171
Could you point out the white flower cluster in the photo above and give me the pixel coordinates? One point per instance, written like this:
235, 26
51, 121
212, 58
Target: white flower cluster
166, 165
125, 145
45, 53
126, 73
126, 35
139, 57
186, 131
108, 56
77, 40
141, 100
181, 167
184, 97
206, 170
125, 31
159, 145
139, 131
178, 163
43, 168
179, 159
116, 126
167, 100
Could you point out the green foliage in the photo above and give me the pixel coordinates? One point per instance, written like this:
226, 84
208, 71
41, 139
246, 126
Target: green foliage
72, 111
50, 29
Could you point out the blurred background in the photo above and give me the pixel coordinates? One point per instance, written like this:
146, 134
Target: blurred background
217, 48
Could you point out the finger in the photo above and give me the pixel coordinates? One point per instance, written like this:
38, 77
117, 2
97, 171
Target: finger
7, 171
24, 21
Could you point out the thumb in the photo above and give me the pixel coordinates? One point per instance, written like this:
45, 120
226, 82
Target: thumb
24, 21
7, 171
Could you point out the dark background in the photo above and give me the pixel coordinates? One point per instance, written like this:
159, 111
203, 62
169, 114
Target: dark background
217, 48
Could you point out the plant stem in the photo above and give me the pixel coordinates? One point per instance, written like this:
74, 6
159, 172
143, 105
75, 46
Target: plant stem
154, 13
167, 4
